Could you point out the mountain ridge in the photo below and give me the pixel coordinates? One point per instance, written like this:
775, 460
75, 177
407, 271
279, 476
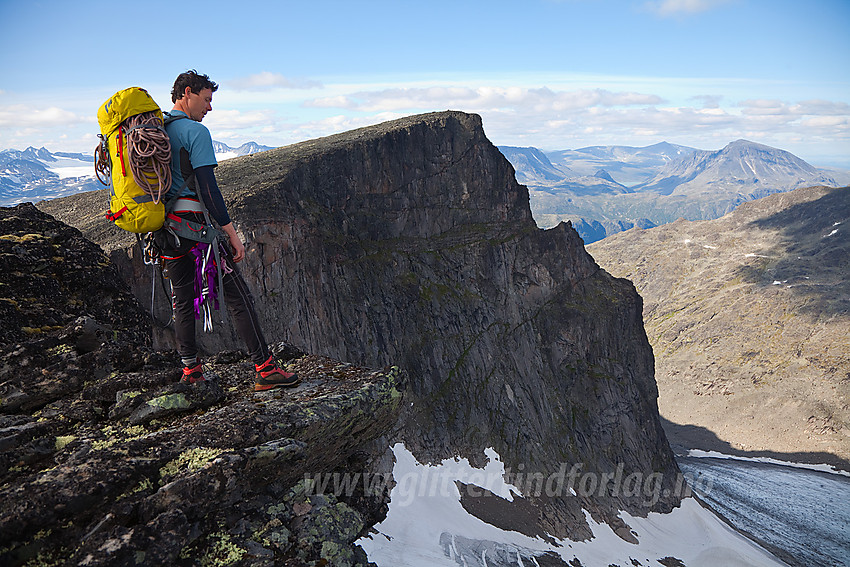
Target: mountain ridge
741, 165
674, 182
629, 163
223, 151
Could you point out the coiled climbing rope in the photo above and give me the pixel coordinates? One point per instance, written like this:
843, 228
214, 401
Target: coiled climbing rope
149, 153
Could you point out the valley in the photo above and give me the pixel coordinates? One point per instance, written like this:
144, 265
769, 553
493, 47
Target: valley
748, 318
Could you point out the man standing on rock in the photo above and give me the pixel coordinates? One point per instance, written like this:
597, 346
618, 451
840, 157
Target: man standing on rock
193, 158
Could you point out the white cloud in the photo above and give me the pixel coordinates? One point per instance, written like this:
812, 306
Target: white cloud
708, 101
267, 80
667, 8
704, 128
837, 123
22, 116
481, 98
339, 123
338, 101
570, 112
822, 107
762, 107
560, 118
235, 119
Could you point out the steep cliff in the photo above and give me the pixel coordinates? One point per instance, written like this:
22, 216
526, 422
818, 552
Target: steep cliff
411, 243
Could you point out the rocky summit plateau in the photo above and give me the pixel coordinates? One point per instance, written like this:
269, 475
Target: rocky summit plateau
398, 269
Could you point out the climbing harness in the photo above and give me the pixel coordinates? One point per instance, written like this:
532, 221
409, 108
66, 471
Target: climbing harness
210, 268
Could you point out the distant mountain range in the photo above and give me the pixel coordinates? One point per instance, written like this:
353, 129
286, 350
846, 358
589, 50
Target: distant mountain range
39, 174
223, 151
608, 189
742, 167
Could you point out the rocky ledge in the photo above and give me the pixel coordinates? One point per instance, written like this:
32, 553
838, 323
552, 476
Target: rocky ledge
106, 460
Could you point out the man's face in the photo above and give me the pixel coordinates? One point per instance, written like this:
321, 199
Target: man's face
198, 104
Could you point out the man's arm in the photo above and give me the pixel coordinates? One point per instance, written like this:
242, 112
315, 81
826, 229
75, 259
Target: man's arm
211, 195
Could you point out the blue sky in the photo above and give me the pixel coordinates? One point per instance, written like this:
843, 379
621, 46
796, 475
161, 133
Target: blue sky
554, 74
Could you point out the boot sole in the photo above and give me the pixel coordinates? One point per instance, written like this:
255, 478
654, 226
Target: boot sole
264, 387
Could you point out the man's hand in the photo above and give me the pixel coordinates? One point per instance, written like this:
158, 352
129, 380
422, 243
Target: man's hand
235, 242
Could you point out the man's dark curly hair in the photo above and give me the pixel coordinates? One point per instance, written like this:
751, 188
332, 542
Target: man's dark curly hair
193, 80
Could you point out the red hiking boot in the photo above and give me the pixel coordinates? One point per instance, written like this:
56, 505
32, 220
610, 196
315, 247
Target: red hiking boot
193, 374
270, 376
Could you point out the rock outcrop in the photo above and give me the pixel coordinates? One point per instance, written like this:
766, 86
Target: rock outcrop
410, 243
106, 460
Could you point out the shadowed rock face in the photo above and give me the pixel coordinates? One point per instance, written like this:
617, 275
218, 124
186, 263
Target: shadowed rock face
411, 243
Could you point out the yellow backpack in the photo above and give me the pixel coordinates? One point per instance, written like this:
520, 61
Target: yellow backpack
134, 155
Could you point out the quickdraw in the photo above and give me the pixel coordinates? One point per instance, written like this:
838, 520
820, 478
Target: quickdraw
208, 280
102, 163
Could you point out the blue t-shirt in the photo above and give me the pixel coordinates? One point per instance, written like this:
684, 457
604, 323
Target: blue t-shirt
196, 138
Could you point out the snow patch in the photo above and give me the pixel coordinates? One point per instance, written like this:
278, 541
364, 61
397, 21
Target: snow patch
426, 521
69, 167
73, 171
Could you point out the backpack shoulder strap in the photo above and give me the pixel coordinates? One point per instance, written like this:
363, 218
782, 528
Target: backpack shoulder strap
168, 118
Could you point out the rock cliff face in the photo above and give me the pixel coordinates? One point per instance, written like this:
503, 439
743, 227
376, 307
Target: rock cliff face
411, 243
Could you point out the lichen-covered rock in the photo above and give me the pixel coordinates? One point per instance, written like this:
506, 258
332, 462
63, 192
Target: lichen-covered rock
211, 483
106, 459
51, 276
320, 523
